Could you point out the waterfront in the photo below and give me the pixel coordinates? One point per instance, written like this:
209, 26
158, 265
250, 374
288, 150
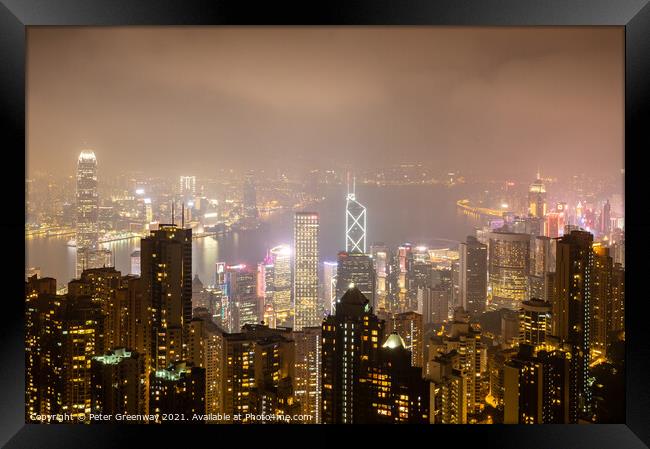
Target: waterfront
419, 214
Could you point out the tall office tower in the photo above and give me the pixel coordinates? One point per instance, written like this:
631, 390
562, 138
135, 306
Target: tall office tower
408, 325
418, 276
351, 342
43, 357
601, 298
305, 270
572, 313
118, 383
187, 186
393, 279
258, 372
537, 198
249, 197
542, 253
435, 304
449, 389
206, 351
380, 259
89, 254
402, 266
179, 388
355, 270
397, 391
616, 311
329, 286
605, 219
308, 371
554, 225
465, 339
473, 275
536, 387
355, 223
281, 284
135, 262
241, 290
166, 264
509, 266
534, 322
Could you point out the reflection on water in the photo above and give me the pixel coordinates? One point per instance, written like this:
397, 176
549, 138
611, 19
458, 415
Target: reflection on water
415, 214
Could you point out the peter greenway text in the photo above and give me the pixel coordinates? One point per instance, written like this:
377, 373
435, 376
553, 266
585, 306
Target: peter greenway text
162, 417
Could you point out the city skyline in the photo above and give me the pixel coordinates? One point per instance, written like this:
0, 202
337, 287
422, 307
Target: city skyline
241, 240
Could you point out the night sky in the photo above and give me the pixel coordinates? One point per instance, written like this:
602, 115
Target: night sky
187, 99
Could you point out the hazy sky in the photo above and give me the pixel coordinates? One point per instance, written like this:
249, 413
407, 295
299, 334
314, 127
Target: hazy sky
190, 99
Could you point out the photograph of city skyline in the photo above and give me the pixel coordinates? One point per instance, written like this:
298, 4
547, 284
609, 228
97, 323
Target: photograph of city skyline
326, 225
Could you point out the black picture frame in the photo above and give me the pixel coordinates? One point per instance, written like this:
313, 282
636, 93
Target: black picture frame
633, 15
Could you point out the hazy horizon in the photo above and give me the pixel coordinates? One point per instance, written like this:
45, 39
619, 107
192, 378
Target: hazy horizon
164, 99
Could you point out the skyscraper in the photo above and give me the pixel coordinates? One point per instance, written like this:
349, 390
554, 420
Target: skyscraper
534, 322
281, 284
351, 342
89, 253
308, 371
355, 270
509, 266
355, 223
258, 372
305, 270
329, 286
572, 313
380, 258
537, 198
473, 275
166, 266
187, 186
245, 306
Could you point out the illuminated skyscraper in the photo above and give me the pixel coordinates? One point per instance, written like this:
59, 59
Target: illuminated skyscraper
473, 275
408, 326
258, 372
206, 351
509, 266
241, 290
572, 308
351, 342
537, 198
166, 265
187, 186
355, 270
380, 258
534, 322
601, 300
305, 270
89, 253
281, 284
308, 371
355, 223
329, 286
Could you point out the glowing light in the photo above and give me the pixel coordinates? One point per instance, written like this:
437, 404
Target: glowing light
139, 191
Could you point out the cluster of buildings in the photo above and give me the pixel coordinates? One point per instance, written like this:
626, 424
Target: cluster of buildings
511, 327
